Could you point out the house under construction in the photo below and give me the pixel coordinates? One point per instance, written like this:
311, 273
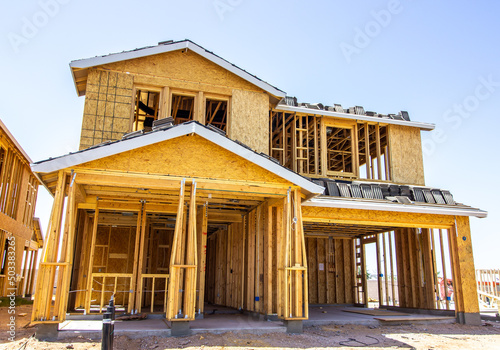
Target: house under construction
198, 183
20, 232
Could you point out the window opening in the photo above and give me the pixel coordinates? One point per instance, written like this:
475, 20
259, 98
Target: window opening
146, 109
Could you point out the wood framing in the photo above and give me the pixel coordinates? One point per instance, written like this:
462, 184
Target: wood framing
238, 200
20, 232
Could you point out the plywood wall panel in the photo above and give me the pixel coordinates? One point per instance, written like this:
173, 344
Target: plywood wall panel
406, 158
182, 67
186, 156
249, 120
107, 110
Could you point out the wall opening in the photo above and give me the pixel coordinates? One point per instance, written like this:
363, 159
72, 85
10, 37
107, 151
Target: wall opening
216, 113
146, 110
182, 108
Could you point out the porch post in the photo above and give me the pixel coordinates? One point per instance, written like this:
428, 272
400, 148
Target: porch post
465, 286
202, 223
142, 248
48, 265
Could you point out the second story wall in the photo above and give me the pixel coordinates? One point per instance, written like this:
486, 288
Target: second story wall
250, 122
350, 149
18, 189
126, 96
108, 107
407, 164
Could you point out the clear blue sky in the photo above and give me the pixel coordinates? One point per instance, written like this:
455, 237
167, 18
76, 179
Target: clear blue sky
437, 60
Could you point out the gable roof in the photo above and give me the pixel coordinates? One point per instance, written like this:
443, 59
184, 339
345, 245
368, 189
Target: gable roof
14, 141
79, 68
150, 138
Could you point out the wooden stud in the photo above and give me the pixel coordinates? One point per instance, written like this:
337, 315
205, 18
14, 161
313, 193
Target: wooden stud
202, 222
443, 262
88, 295
367, 152
392, 270
135, 272
379, 156
268, 263
379, 272
385, 270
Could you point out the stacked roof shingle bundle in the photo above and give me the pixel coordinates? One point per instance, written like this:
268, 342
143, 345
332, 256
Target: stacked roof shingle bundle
357, 110
395, 193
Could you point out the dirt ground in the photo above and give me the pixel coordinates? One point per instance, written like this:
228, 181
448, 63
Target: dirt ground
443, 336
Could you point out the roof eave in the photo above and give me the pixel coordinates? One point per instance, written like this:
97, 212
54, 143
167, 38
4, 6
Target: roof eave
185, 44
88, 155
406, 208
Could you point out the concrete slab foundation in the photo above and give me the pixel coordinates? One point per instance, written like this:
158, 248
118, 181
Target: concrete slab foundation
48, 331
219, 323
472, 319
293, 326
180, 329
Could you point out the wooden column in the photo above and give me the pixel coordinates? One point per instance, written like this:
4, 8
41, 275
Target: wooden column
466, 300
293, 263
202, 223
183, 261
67, 253
268, 263
34, 268
137, 281
132, 296
88, 293
48, 266
25, 271
27, 280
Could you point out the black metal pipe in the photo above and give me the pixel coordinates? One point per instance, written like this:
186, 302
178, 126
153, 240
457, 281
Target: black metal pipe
106, 331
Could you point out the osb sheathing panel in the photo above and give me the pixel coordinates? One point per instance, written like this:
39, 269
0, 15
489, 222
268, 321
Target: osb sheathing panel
186, 156
182, 69
466, 265
107, 110
250, 119
375, 217
405, 146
